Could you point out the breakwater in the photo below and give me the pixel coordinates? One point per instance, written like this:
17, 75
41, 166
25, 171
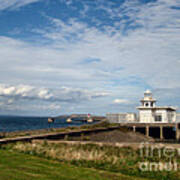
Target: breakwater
57, 135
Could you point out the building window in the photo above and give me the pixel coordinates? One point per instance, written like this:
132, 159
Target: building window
158, 118
146, 104
151, 104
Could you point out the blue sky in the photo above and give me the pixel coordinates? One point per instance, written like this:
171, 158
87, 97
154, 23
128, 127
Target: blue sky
90, 56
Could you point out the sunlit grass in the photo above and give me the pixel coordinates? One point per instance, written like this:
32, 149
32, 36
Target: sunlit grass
109, 158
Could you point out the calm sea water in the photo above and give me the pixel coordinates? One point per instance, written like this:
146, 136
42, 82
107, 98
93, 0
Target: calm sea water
14, 123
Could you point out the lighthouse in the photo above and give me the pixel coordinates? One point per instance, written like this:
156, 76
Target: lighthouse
148, 100
150, 113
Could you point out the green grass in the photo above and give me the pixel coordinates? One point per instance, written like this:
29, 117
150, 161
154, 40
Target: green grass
20, 166
104, 158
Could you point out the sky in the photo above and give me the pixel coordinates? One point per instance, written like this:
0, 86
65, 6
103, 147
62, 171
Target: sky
87, 56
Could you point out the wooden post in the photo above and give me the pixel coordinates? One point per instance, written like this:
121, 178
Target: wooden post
147, 131
161, 133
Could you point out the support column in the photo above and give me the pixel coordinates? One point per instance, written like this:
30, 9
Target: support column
147, 131
177, 132
161, 133
134, 128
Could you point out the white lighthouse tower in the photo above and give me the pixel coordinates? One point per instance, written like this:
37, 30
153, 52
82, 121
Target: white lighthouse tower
150, 113
148, 100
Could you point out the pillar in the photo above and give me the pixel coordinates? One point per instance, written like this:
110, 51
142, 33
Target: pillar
161, 133
177, 131
147, 131
134, 128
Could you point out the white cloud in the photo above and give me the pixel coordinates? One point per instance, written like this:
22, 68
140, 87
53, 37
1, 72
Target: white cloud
14, 4
121, 101
62, 94
54, 107
67, 2
150, 48
44, 94
27, 99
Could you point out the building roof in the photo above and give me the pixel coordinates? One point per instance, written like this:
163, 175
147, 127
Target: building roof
148, 99
158, 107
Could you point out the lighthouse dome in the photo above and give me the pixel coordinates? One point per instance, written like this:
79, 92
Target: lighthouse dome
147, 92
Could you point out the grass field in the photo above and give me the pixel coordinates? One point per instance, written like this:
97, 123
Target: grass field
20, 166
49, 160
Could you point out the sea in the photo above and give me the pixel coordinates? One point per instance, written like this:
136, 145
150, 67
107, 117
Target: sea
20, 123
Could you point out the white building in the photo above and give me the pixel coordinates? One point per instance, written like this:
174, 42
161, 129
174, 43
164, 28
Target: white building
150, 113
121, 117
178, 117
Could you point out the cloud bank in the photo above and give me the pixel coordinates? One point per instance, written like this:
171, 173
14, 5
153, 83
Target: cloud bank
62, 94
115, 48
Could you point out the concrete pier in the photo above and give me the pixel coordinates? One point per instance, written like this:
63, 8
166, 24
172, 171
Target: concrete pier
149, 126
57, 135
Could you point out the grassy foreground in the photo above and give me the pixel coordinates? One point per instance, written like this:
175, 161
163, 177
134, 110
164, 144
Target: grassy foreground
20, 166
53, 160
